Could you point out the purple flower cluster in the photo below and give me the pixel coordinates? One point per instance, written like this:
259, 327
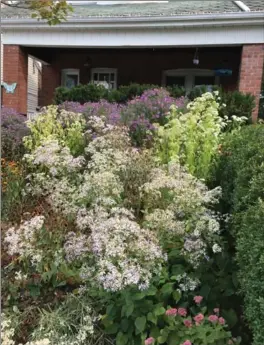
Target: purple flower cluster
13, 129
138, 115
151, 107
111, 111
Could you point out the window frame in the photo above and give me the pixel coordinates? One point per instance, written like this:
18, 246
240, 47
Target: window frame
71, 71
105, 70
189, 74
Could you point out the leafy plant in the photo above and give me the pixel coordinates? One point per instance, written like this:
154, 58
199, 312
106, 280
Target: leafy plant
191, 138
13, 182
52, 124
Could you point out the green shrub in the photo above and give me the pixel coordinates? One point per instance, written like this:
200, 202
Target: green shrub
94, 93
241, 173
240, 162
62, 94
261, 101
250, 249
236, 103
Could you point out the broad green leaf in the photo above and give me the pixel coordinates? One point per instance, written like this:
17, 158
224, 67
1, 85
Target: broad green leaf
174, 338
129, 309
176, 295
167, 289
121, 338
140, 323
159, 311
154, 332
152, 318
138, 296
151, 291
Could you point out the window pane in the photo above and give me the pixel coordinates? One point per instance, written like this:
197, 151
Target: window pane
204, 80
71, 80
175, 80
107, 79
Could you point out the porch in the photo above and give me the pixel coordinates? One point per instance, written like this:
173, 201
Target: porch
158, 66
233, 67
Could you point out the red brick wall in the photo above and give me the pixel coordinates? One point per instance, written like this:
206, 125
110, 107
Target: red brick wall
251, 70
49, 82
138, 65
15, 70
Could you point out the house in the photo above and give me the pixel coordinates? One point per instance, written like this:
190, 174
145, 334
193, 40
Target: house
33, 83
186, 43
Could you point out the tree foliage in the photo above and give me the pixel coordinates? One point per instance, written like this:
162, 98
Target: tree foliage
53, 11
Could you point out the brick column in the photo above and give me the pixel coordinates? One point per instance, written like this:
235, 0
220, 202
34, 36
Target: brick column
50, 80
15, 70
251, 70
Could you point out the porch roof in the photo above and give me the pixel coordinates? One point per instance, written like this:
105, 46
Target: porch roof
169, 9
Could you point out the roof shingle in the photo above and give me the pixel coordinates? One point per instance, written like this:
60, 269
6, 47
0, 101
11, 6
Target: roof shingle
171, 8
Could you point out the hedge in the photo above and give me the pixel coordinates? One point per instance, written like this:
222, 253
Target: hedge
93, 93
241, 174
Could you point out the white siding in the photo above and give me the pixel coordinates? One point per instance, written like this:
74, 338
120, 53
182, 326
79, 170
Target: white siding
34, 70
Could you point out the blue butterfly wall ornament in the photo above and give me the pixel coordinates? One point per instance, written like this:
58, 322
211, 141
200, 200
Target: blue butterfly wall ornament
10, 88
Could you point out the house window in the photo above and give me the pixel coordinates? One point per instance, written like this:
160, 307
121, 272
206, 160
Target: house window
189, 78
105, 76
175, 80
70, 77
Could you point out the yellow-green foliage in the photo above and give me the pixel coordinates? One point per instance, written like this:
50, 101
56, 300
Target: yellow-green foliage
66, 127
191, 138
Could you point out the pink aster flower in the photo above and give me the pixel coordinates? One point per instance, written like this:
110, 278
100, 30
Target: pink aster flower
187, 323
213, 318
230, 342
216, 310
182, 311
149, 341
198, 318
221, 320
171, 312
198, 299
187, 342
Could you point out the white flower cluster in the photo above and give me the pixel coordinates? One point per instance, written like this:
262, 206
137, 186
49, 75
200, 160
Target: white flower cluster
51, 155
183, 212
125, 253
75, 246
44, 341
21, 241
7, 331
187, 283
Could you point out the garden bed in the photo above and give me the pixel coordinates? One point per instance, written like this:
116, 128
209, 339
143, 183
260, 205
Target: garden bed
117, 224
